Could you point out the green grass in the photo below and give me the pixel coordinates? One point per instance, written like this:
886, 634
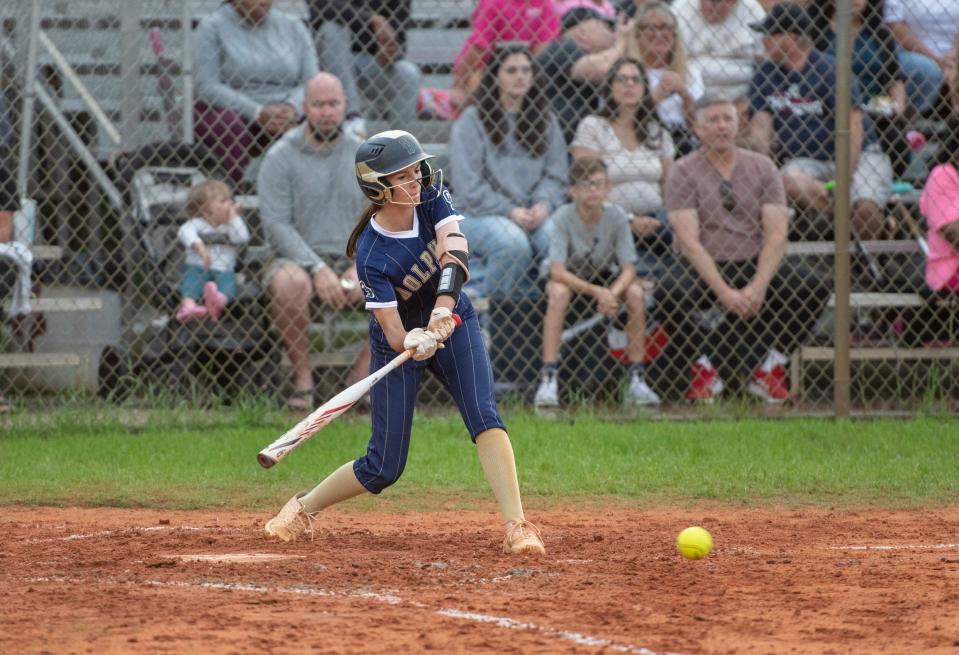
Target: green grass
185, 460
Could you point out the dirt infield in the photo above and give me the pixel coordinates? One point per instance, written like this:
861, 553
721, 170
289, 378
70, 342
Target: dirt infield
82, 580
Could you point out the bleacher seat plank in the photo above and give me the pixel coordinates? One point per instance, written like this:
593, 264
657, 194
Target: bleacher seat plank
878, 247
64, 304
861, 299
46, 252
825, 353
870, 354
38, 360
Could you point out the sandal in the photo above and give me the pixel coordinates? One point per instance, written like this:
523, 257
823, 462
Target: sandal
301, 400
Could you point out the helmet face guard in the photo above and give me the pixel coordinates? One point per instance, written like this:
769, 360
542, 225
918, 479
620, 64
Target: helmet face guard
390, 152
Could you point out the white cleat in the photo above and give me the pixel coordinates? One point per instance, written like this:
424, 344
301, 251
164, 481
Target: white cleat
639, 393
292, 521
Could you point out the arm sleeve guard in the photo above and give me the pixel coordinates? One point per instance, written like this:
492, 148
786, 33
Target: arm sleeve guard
452, 279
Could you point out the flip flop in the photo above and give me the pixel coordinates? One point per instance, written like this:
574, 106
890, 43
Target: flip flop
300, 400
190, 313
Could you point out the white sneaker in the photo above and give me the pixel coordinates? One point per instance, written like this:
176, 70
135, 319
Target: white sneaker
639, 392
547, 395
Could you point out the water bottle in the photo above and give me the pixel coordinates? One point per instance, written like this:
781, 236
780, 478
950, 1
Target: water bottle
25, 222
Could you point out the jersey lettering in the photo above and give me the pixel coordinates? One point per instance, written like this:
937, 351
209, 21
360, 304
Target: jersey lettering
368, 292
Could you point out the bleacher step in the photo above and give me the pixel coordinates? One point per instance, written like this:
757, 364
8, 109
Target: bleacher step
63, 305
38, 360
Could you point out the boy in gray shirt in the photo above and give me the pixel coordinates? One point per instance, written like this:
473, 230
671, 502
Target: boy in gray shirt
591, 252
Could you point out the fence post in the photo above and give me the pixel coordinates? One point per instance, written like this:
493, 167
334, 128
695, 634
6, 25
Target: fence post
841, 371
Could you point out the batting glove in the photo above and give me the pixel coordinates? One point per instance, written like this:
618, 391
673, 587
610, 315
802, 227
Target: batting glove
441, 323
422, 342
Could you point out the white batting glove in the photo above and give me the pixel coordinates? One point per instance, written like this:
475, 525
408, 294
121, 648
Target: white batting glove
422, 342
441, 323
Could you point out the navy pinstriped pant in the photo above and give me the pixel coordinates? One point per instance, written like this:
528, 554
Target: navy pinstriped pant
463, 367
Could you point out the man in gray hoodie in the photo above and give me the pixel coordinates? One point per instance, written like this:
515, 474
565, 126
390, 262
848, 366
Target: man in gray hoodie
309, 204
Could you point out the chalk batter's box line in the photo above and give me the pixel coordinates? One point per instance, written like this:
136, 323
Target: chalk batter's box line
388, 598
898, 547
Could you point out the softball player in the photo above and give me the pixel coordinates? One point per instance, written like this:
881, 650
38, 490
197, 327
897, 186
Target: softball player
412, 262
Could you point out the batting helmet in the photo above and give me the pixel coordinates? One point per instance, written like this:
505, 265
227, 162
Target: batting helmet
384, 154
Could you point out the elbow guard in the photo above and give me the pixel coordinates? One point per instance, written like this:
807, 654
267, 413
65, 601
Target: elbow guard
453, 249
452, 278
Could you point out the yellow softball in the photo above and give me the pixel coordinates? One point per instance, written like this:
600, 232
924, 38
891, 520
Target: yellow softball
694, 543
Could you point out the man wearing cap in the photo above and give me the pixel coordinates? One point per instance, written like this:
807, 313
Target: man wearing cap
575, 65
792, 101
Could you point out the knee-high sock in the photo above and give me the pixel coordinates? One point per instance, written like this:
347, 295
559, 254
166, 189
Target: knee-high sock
496, 456
338, 486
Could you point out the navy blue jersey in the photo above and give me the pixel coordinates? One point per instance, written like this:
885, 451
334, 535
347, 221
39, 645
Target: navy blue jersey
400, 269
803, 106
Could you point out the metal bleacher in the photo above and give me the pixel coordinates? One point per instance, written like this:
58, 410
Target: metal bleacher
87, 33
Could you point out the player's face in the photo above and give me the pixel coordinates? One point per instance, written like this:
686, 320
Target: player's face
591, 192
628, 88
406, 185
515, 75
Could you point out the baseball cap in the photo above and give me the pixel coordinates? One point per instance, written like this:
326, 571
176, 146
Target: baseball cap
784, 18
578, 15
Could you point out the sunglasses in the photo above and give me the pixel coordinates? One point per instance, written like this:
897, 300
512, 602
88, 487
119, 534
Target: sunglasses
728, 195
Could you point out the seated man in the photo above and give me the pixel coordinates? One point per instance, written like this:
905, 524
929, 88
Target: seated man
727, 210
362, 43
719, 43
792, 99
591, 252
928, 34
309, 204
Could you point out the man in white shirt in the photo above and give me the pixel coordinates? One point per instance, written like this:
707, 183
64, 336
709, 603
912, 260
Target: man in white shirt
718, 41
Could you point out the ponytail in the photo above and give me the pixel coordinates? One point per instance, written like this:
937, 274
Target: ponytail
361, 224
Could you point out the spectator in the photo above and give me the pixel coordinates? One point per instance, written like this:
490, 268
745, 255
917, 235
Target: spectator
8, 195
792, 99
495, 22
926, 31
604, 8
508, 163
727, 210
309, 202
575, 66
637, 151
939, 203
363, 44
875, 65
250, 64
674, 84
719, 43
211, 235
9, 268
591, 253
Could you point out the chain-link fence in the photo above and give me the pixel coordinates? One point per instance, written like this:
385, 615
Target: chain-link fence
651, 195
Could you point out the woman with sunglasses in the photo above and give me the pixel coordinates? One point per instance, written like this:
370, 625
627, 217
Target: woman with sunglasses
412, 261
637, 150
674, 85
